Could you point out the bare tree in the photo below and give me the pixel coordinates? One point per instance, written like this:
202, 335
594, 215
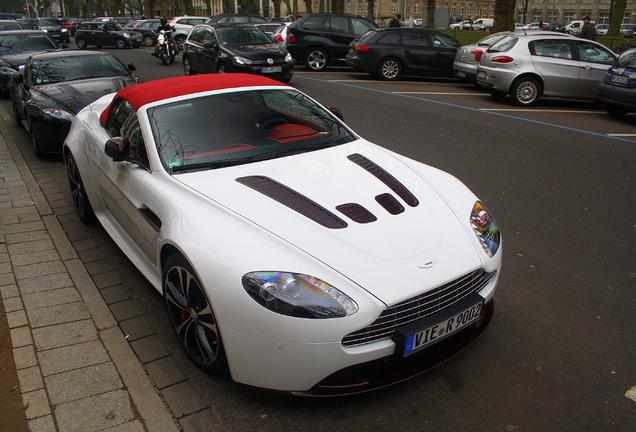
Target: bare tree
504, 15
295, 8
524, 10
337, 6
616, 18
430, 14
371, 9
308, 6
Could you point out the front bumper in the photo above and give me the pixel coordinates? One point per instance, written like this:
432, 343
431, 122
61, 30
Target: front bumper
622, 97
50, 133
333, 369
497, 79
286, 73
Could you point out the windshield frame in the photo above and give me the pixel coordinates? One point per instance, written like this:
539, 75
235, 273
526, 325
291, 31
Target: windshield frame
149, 132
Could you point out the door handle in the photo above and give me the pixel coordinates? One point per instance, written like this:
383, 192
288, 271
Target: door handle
585, 67
150, 217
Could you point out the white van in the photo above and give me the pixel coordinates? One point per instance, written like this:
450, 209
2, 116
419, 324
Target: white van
574, 28
483, 23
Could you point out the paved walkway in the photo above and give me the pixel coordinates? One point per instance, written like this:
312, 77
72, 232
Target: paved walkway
76, 370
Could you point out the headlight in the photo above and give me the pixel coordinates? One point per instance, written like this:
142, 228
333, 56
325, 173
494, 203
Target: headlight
126, 35
45, 30
58, 114
485, 228
288, 57
64, 30
241, 60
298, 295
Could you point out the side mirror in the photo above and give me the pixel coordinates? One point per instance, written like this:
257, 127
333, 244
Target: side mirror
131, 67
116, 148
335, 111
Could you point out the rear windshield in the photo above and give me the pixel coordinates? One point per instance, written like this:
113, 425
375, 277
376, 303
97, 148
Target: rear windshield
628, 59
505, 44
368, 35
491, 40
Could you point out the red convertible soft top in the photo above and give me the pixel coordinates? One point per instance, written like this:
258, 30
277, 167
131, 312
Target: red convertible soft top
141, 94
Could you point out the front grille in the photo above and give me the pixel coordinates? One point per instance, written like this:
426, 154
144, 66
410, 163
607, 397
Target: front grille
264, 62
418, 307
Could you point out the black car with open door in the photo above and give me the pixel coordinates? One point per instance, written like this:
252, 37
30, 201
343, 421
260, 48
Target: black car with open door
391, 53
54, 87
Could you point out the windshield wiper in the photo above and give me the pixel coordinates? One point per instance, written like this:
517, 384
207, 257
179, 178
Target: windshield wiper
213, 164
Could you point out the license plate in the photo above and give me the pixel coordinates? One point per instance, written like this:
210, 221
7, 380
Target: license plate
430, 335
272, 69
618, 79
481, 75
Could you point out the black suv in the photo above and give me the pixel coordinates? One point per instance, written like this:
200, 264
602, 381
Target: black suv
55, 29
323, 39
105, 34
147, 29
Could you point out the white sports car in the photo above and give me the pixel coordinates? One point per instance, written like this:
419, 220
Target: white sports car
287, 248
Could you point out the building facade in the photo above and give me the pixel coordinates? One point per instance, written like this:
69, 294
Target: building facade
564, 11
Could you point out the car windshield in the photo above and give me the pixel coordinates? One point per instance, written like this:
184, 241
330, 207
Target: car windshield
628, 59
491, 40
505, 44
242, 36
241, 127
58, 69
49, 21
9, 25
18, 43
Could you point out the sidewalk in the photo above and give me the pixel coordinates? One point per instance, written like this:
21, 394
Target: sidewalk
76, 371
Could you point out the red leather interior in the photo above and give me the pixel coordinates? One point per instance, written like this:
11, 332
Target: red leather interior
231, 149
291, 132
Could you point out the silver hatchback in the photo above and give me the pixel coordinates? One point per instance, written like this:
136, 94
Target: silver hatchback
527, 67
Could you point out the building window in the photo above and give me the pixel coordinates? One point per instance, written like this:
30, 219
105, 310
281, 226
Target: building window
569, 16
603, 17
417, 7
536, 15
461, 11
552, 16
394, 8
520, 16
484, 12
348, 7
453, 9
626, 17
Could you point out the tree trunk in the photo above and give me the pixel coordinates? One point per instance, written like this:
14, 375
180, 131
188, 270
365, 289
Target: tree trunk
616, 18
288, 7
113, 6
524, 6
308, 7
337, 6
370, 9
295, 8
189, 9
504, 15
430, 14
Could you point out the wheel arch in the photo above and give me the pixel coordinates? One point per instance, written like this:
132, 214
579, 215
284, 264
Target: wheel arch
320, 47
529, 75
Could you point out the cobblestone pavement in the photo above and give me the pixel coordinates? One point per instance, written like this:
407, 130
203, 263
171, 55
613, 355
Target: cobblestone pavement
75, 370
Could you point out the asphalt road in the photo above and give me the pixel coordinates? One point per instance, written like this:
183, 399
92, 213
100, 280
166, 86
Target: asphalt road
560, 353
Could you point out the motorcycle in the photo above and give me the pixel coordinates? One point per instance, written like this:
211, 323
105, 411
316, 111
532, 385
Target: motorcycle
166, 49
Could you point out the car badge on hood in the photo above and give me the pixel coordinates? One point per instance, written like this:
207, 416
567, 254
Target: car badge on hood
428, 264
270, 61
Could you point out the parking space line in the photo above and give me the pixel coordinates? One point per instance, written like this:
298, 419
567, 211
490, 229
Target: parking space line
622, 134
468, 108
442, 93
542, 110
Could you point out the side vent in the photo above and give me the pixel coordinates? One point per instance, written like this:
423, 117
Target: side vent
389, 203
386, 178
356, 213
293, 200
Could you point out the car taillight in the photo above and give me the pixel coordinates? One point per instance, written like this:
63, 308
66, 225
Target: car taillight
361, 48
477, 53
278, 37
502, 59
291, 38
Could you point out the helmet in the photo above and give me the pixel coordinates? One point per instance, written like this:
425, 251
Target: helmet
164, 21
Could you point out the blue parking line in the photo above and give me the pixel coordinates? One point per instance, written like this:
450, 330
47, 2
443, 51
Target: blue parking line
464, 107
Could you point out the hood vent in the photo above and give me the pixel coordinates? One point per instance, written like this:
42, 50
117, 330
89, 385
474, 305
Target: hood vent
389, 203
386, 178
293, 200
356, 213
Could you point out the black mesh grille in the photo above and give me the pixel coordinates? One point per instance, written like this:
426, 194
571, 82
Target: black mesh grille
419, 307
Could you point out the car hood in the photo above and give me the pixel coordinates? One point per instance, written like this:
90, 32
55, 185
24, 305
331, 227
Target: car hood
17, 60
393, 258
257, 52
75, 95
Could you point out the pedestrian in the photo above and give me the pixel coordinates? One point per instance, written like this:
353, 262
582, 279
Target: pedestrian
588, 31
396, 22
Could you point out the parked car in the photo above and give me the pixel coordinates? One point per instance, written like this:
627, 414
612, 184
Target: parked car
131, 24
147, 29
483, 24
105, 33
322, 39
574, 27
627, 30
528, 67
16, 47
104, 19
123, 20
71, 25
602, 29
462, 25
617, 91
236, 19
518, 26
391, 53
280, 34
270, 28
182, 27
6, 24
254, 162
11, 16
55, 29
28, 23
235, 48
55, 86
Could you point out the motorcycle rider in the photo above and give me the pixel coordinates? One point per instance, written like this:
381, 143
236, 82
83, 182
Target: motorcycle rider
168, 30
163, 25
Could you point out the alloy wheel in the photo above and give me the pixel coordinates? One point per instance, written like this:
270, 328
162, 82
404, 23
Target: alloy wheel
191, 315
148, 40
120, 44
78, 193
390, 69
527, 92
317, 60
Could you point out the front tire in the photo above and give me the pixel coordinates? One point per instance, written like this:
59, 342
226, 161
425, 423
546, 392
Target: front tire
180, 40
81, 43
390, 69
148, 40
120, 44
37, 148
187, 67
78, 193
316, 60
191, 316
525, 91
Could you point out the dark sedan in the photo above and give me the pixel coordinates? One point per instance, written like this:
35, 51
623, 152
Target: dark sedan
55, 28
617, 92
16, 47
246, 49
54, 87
105, 34
393, 52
